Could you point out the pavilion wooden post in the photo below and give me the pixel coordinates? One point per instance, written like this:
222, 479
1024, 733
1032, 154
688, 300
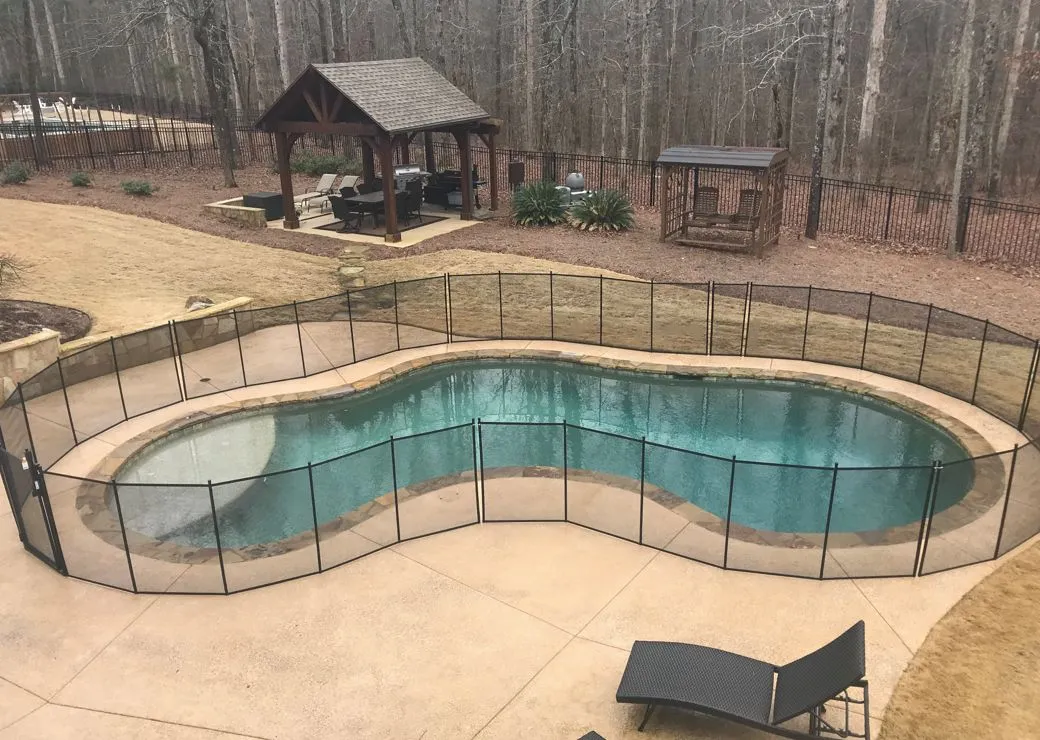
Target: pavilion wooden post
368, 163
283, 146
466, 167
386, 163
431, 160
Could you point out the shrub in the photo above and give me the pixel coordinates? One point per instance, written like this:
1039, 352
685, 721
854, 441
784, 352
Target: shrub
316, 164
15, 173
539, 204
138, 187
603, 209
80, 179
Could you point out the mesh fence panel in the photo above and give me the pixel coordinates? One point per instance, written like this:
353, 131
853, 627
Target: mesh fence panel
266, 527
435, 481
169, 529
13, 425
575, 308
522, 472
867, 537
422, 312
680, 318
325, 331
626, 314
50, 426
603, 476
95, 552
526, 307
776, 321
779, 518
1031, 415
685, 501
959, 534
727, 318
895, 338
1022, 517
837, 322
93, 390
354, 499
475, 307
147, 370
27, 508
210, 355
374, 315
271, 344
951, 355
1004, 373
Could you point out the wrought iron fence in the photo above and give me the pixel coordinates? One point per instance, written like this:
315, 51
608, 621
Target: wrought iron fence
158, 137
332, 511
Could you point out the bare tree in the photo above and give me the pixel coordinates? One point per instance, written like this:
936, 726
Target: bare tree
823, 92
1007, 108
282, 40
963, 174
836, 93
866, 145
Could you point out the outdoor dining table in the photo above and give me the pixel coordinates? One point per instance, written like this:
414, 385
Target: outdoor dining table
370, 203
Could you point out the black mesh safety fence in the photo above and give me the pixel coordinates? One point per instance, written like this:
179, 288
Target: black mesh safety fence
953, 348
576, 308
476, 307
422, 311
271, 344
522, 471
626, 314
604, 474
527, 306
680, 319
837, 327
776, 322
326, 333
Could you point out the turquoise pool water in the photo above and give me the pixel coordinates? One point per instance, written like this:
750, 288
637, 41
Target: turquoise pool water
775, 429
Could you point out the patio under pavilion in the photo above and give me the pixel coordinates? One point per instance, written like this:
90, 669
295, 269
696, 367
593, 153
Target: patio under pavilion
385, 105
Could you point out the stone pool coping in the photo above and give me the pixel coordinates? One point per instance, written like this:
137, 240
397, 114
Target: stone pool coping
92, 498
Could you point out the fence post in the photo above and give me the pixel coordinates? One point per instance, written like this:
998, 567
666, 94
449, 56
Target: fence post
552, 309
827, 528
978, 368
393, 473
397, 318
642, 485
122, 531
866, 330
1007, 501
565, 470
963, 217
314, 514
216, 534
483, 488
601, 310
1027, 396
447, 308
924, 343
119, 383
888, 210
651, 314
350, 321
931, 517
476, 478
729, 511
40, 485
299, 338
25, 416
602, 160
653, 183
238, 338
178, 362
746, 328
709, 316
501, 318
68, 406
805, 332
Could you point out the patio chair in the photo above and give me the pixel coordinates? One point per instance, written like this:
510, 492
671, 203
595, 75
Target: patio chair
740, 689
346, 212
409, 203
322, 190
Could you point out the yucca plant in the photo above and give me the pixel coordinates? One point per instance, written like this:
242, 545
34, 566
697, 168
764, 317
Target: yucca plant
539, 204
603, 209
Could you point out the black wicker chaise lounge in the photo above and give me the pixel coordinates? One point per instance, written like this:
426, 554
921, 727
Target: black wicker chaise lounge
741, 689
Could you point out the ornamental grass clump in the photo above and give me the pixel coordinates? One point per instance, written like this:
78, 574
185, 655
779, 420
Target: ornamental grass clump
608, 210
539, 204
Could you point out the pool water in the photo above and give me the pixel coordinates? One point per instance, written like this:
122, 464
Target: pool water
786, 437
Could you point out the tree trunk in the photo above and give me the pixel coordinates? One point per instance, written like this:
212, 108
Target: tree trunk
135, 68
962, 173
251, 60
438, 54
32, 73
59, 67
324, 48
530, 49
210, 33
282, 39
1007, 109
336, 25
647, 39
867, 145
666, 113
402, 28
623, 93
175, 56
344, 31
499, 6
41, 54
823, 85
836, 93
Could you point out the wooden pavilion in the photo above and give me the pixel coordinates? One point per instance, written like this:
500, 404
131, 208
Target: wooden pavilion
384, 104
722, 197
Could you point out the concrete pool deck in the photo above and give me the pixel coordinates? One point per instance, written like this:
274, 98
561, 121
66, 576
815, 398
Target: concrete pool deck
496, 630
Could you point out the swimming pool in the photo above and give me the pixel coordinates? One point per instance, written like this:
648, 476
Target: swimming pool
786, 435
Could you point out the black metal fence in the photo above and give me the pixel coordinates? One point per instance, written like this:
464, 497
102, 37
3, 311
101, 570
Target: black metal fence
989, 230
336, 510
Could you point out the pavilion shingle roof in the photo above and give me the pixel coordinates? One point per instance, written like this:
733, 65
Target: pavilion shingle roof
401, 94
722, 156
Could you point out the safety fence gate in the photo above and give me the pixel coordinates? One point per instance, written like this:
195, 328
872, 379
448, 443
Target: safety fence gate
27, 493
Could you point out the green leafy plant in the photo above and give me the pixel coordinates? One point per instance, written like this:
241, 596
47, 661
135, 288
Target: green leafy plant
608, 210
15, 173
316, 164
539, 204
80, 179
138, 187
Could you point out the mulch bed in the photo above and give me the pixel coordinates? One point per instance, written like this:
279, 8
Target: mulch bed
21, 318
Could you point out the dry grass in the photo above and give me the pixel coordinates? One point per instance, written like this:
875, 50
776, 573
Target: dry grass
978, 673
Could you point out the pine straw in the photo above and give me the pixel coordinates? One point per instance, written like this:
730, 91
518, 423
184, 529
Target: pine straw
978, 673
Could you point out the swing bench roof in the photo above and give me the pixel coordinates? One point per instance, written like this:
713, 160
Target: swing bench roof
734, 157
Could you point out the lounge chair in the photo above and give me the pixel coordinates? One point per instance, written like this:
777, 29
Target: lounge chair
740, 689
322, 190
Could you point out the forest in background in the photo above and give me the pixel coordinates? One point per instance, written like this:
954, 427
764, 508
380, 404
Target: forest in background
937, 94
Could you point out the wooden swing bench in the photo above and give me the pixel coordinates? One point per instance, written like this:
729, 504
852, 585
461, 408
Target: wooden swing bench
705, 215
